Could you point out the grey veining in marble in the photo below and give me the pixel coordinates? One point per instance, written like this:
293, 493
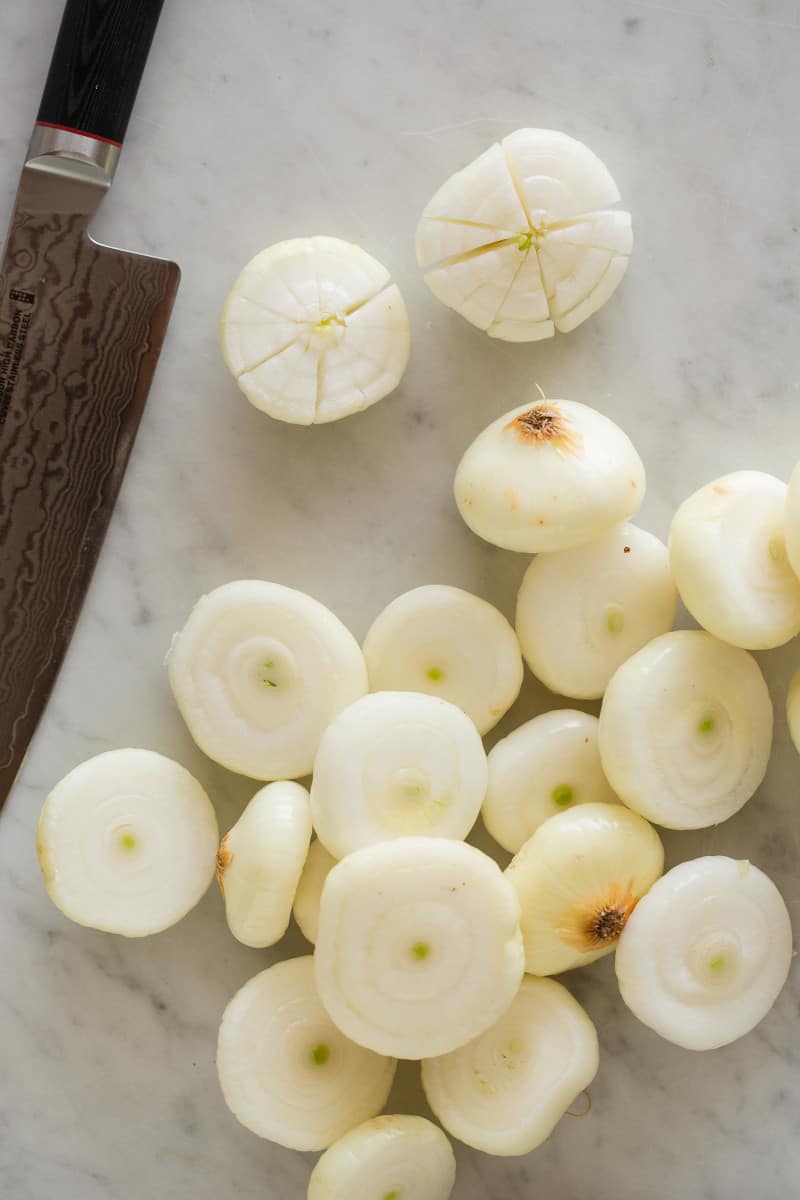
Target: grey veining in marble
263, 120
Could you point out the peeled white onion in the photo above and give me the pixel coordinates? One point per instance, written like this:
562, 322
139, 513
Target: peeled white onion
448, 643
312, 331
705, 954
547, 476
260, 861
504, 1092
728, 552
578, 879
286, 1072
259, 671
419, 947
307, 898
518, 242
582, 612
686, 730
793, 709
127, 843
791, 519
389, 1157
547, 765
394, 764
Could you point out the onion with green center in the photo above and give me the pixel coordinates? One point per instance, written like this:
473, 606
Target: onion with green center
706, 953
547, 476
127, 843
521, 241
582, 612
260, 861
313, 331
578, 880
286, 1071
258, 672
394, 764
448, 643
548, 764
387, 1158
318, 866
727, 547
504, 1092
419, 947
686, 730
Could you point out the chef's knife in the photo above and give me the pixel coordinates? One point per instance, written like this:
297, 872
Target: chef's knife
81, 328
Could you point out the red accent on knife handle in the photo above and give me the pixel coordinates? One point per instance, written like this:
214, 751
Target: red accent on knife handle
97, 65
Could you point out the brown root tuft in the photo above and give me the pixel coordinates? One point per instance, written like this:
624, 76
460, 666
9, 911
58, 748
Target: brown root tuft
598, 922
545, 424
224, 860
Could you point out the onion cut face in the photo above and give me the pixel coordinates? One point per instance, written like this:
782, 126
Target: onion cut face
521, 242
504, 1092
396, 764
448, 643
313, 331
793, 709
387, 1157
686, 730
549, 764
548, 476
578, 880
127, 843
706, 953
582, 612
419, 946
258, 672
286, 1072
260, 861
728, 551
318, 866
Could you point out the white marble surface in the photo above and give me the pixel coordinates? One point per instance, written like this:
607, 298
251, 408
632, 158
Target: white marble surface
262, 120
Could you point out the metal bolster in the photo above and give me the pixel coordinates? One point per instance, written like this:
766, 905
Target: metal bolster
100, 157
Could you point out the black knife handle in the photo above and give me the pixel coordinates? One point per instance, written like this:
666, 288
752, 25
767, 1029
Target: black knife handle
97, 65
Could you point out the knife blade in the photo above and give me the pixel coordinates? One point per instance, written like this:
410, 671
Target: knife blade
81, 330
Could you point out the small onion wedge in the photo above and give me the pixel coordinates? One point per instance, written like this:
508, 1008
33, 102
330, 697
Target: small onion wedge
286, 1072
728, 551
686, 730
582, 612
504, 1092
419, 946
578, 879
394, 764
448, 643
317, 867
387, 1158
260, 861
547, 476
258, 672
704, 956
127, 843
547, 765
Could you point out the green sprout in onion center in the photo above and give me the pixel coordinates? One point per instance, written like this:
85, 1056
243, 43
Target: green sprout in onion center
320, 1054
615, 621
127, 841
434, 674
420, 951
706, 726
562, 795
717, 963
